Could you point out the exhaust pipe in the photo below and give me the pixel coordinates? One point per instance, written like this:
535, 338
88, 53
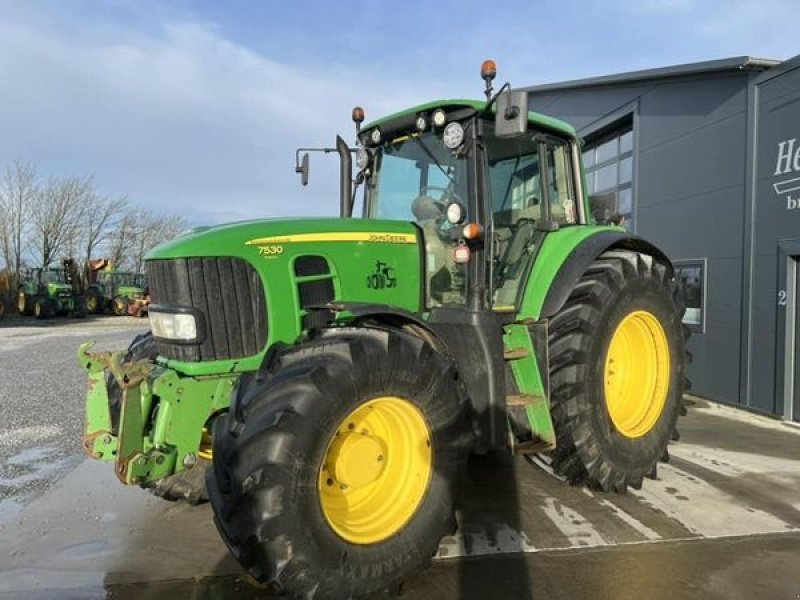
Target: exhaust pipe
345, 178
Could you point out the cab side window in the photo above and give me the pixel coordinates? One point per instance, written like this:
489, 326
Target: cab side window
560, 184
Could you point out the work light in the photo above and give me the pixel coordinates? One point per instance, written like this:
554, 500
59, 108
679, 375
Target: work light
362, 159
453, 135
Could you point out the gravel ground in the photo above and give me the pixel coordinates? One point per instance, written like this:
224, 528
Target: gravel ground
42, 390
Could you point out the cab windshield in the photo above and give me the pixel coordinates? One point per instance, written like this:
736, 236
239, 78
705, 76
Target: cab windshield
417, 176
50, 276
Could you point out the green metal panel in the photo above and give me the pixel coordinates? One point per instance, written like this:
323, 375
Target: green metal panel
531, 376
145, 451
556, 247
352, 247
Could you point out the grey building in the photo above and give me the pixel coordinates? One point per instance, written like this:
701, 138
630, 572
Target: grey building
704, 160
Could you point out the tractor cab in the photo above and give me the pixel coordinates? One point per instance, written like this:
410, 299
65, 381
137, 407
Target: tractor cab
472, 190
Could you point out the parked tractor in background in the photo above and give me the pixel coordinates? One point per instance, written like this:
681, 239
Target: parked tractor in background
5, 294
49, 291
120, 292
346, 368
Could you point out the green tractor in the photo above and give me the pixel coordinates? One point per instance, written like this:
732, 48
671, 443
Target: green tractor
333, 375
49, 291
121, 292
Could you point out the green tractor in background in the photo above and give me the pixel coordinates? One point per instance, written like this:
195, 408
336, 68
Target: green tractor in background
120, 292
333, 375
5, 289
45, 292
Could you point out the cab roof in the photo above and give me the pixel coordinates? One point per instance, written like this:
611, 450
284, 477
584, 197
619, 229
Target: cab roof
534, 118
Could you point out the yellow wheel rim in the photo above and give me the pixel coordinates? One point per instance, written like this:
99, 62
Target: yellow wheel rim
637, 374
91, 303
37, 310
205, 450
21, 303
376, 470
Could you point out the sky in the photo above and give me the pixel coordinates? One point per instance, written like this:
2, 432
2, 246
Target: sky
197, 107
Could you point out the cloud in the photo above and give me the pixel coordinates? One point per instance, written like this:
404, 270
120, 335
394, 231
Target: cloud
182, 119
193, 108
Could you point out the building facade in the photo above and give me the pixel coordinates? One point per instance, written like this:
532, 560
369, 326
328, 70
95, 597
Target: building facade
704, 161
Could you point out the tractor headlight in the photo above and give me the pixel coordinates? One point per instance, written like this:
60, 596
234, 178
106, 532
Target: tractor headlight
453, 135
175, 324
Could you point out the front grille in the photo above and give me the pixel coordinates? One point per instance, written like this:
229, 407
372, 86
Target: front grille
229, 294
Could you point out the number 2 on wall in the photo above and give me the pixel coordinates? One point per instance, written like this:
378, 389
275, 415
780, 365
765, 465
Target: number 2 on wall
781, 297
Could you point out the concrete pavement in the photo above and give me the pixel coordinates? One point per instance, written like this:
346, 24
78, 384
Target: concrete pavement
721, 521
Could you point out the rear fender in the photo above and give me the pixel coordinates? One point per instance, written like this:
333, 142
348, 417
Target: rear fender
584, 255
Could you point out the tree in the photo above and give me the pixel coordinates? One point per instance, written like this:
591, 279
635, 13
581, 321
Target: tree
18, 191
98, 219
122, 242
56, 214
152, 230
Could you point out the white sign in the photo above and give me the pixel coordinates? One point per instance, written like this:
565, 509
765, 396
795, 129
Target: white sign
788, 163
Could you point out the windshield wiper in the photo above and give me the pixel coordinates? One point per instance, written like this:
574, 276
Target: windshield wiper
427, 151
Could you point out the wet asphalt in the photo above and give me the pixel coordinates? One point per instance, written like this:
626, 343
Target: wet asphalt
41, 399
722, 520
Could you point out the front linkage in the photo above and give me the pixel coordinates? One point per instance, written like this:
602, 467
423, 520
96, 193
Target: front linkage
161, 415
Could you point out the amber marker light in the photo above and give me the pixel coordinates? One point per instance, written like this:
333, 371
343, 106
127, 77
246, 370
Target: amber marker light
472, 231
488, 70
358, 115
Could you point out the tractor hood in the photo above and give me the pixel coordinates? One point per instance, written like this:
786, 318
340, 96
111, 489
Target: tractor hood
58, 289
275, 278
243, 238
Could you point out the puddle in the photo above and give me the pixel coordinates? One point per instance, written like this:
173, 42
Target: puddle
30, 455
26, 474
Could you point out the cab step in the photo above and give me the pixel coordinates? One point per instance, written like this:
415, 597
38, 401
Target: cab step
515, 354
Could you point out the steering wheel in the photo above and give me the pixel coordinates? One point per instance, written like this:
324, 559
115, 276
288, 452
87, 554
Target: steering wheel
427, 208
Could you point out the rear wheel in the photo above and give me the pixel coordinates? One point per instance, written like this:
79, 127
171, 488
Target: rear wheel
23, 303
94, 301
119, 306
379, 421
2, 307
188, 485
617, 353
42, 309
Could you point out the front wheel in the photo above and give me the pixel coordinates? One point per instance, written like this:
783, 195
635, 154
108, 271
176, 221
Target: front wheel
616, 370
379, 420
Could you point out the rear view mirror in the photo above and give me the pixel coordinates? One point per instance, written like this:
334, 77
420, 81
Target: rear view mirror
511, 119
302, 168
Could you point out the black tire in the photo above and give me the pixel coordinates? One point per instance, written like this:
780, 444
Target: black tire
79, 307
94, 301
24, 304
590, 449
188, 485
269, 449
119, 306
42, 309
2, 307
